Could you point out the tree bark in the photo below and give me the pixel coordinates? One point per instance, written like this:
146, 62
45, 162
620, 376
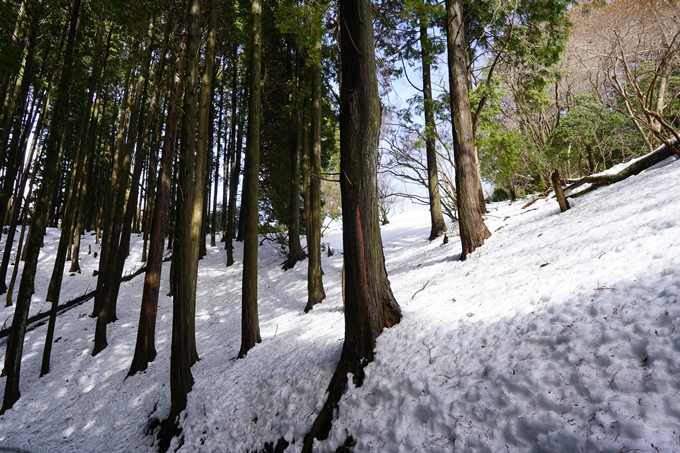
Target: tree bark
250, 325
473, 231
235, 167
369, 303
315, 291
436, 215
559, 193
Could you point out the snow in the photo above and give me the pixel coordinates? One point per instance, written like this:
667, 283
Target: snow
560, 334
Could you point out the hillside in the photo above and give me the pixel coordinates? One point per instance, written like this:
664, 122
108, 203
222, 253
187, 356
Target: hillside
560, 334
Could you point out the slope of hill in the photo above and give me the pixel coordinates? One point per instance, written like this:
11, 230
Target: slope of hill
561, 334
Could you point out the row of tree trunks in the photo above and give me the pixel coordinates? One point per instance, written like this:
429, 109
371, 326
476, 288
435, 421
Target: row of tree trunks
39, 223
145, 347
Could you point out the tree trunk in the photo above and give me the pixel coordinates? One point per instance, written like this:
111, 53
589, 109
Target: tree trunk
369, 304
559, 193
295, 252
436, 216
111, 229
250, 326
42, 210
235, 168
473, 231
14, 156
145, 347
185, 252
315, 291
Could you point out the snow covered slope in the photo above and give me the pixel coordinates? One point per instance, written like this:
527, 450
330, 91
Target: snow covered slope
560, 334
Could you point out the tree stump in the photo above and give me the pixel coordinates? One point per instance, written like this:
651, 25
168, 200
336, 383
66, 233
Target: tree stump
559, 193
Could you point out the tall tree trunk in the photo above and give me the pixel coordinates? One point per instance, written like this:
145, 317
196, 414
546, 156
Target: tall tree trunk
111, 229
185, 254
14, 156
250, 325
145, 347
216, 173
369, 304
59, 118
473, 231
436, 216
305, 150
295, 252
235, 167
315, 291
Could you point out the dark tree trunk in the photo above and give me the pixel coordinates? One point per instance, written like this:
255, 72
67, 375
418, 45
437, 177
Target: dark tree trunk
473, 231
145, 347
369, 304
250, 325
111, 230
185, 252
436, 216
315, 291
235, 168
42, 209
14, 156
295, 252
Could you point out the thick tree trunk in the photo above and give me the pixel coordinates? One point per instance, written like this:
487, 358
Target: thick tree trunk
315, 291
250, 325
42, 209
436, 216
473, 231
369, 304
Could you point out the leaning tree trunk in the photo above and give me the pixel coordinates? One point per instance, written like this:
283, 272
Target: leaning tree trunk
250, 325
315, 291
436, 215
42, 209
369, 304
473, 231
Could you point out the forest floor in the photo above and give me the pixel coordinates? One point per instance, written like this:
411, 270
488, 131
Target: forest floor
560, 334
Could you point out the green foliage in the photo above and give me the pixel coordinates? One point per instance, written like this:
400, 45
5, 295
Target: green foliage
10, 53
591, 138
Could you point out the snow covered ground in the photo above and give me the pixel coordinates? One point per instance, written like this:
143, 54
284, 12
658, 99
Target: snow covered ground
560, 334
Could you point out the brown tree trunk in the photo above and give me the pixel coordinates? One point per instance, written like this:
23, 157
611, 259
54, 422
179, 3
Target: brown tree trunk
369, 304
295, 252
235, 167
250, 325
315, 291
145, 347
473, 231
559, 193
436, 216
